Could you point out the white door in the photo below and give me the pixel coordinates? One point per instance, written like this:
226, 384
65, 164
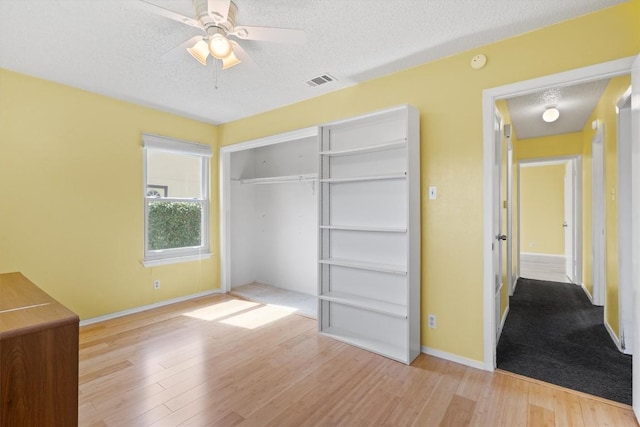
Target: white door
625, 290
635, 230
510, 241
569, 204
597, 216
497, 222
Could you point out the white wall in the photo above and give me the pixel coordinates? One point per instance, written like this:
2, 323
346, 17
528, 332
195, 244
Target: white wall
242, 222
274, 226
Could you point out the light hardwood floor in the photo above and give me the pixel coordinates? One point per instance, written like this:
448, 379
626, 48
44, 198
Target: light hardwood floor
224, 361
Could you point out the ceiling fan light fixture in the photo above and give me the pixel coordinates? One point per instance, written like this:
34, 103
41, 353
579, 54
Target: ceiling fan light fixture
219, 46
230, 61
550, 114
200, 51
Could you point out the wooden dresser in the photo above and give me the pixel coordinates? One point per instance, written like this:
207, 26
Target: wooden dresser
38, 357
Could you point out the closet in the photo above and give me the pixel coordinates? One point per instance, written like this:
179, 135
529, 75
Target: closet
273, 214
332, 212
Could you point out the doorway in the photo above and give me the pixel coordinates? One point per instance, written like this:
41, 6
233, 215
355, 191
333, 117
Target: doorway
490, 96
549, 211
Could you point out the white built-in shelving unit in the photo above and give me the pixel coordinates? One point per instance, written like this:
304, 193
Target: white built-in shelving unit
369, 232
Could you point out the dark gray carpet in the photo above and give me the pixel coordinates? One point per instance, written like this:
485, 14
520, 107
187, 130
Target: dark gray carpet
554, 334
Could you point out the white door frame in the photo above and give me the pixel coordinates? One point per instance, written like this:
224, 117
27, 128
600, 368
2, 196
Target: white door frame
225, 192
576, 218
624, 222
497, 223
598, 220
570, 215
635, 229
511, 275
489, 98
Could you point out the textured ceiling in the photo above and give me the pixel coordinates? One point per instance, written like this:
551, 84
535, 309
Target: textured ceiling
575, 103
116, 48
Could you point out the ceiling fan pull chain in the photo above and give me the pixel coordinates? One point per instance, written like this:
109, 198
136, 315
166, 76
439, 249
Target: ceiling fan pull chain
215, 74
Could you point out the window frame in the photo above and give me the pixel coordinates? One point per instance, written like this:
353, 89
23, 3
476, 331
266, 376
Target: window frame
184, 254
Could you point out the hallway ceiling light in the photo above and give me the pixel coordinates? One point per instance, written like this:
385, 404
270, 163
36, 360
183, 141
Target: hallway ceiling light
550, 114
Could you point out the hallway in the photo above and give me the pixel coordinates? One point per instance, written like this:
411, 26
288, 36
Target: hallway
554, 334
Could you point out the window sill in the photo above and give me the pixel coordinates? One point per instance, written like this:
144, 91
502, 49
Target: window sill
175, 260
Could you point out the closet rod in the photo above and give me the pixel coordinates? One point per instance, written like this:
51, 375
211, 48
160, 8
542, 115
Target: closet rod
280, 179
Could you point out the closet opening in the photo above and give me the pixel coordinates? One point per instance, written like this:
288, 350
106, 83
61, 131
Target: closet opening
269, 220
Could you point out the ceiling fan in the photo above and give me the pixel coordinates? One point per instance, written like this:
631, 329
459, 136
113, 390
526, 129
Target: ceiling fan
217, 19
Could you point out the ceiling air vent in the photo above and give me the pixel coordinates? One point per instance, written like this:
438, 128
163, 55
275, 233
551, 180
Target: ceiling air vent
320, 80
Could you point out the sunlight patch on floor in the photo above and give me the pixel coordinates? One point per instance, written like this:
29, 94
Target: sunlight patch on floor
220, 310
259, 316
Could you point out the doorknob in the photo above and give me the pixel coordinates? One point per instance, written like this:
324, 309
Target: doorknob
565, 225
501, 237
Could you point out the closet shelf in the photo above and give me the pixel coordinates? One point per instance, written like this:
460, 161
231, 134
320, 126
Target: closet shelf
397, 143
373, 266
390, 309
280, 179
381, 347
365, 228
402, 175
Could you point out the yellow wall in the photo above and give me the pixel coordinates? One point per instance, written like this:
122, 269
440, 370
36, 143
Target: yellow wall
542, 209
82, 151
448, 94
71, 197
566, 144
605, 111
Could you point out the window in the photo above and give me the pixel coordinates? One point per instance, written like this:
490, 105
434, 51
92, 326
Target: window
176, 200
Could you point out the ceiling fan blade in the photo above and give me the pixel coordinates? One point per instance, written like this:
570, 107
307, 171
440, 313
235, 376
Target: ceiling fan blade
269, 34
179, 51
219, 10
158, 10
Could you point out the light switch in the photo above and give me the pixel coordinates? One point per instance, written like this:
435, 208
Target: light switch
433, 193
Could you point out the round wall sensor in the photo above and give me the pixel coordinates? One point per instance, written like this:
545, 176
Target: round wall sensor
478, 61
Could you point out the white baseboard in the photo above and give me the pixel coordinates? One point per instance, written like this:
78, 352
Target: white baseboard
147, 307
613, 336
586, 291
453, 358
541, 256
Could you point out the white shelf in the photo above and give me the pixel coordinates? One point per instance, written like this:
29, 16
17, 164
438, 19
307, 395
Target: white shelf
398, 143
381, 347
369, 196
373, 266
364, 228
395, 310
280, 179
366, 178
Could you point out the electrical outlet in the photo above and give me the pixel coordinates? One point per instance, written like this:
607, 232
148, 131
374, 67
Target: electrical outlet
431, 321
156, 284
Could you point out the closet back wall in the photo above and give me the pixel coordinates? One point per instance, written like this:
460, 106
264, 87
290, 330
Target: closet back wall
274, 225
